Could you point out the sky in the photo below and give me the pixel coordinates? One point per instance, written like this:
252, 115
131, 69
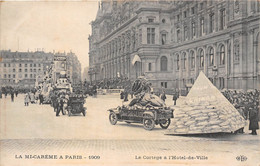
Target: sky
60, 26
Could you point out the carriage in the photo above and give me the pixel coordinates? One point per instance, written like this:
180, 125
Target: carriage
149, 117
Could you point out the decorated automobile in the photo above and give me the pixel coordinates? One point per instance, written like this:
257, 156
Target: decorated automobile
148, 116
145, 108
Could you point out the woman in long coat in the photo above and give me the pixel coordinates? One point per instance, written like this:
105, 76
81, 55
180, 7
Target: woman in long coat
253, 119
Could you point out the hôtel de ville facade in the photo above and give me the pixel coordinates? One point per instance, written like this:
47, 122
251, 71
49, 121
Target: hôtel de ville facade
170, 42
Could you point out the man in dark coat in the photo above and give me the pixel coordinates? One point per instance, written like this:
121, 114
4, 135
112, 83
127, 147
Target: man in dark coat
175, 97
125, 95
16, 93
60, 107
41, 98
12, 96
253, 120
163, 96
55, 103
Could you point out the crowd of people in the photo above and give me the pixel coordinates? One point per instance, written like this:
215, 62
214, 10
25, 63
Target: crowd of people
112, 83
247, 104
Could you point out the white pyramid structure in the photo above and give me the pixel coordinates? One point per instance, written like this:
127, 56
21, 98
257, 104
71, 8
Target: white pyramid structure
205, 110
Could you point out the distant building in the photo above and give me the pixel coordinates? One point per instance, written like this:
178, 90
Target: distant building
73, 68
170, 42
21, 69
85, 76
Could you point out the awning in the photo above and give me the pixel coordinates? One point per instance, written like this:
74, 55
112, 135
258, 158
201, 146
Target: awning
136, 59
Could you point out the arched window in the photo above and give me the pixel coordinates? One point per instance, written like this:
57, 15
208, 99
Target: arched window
201, 58
178, 62
192, 60
184, 61
222, 55
236, 51
211, 56
164, 62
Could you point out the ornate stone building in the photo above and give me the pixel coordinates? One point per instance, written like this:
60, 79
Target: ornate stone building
170, 42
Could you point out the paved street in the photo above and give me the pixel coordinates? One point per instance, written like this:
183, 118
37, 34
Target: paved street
35, 130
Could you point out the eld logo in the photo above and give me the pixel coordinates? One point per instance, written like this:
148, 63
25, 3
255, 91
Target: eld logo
241, 158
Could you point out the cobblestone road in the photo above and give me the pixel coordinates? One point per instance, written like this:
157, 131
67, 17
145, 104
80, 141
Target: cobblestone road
34, 130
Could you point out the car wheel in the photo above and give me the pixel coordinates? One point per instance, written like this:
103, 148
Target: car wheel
148, 124
113, 118
165, 124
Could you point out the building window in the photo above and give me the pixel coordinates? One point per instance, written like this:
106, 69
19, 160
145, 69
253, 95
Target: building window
140, 36
26, 70
20, 65
222, 19
9, 65
13, 70
236, 51
39, 65
192, 60
30, 65
34, 75
20, 70
185, 14
192, 10
211, 56
201, 6
150, 35
201, 26
34, 70
163, 39
5, 76
178, 35
150, 20
30, 70
201, 58
4, 65
164, 84
39, 70
164, 62
149, 66
184, 61
193, 31
25, 65
163, 21
25, 75
31, 75
178, 62
13, 75
211, 23
222, 55
178, 17
185, 33
221, 82
34, 65
9, 75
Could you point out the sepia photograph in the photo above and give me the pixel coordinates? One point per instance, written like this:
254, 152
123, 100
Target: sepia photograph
129, 82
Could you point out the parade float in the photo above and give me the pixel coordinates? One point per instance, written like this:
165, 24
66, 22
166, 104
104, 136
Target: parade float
205, 111
145, 108
54, 80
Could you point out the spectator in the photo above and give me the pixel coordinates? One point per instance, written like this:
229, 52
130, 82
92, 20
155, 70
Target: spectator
163, 96
26, 99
